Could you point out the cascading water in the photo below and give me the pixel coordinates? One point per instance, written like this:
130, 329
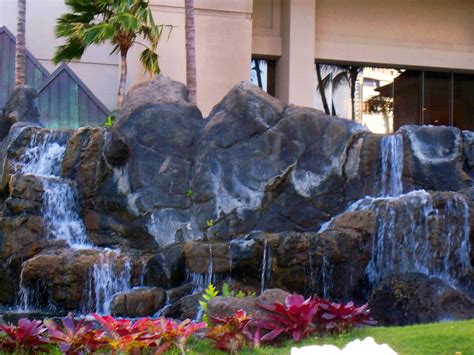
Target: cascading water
391, 148
201, 281
60, 212
60, 206
417, 231
326, 275
415, 235
110, 276
266, 267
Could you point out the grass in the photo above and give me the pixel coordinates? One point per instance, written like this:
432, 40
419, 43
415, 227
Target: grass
436, 338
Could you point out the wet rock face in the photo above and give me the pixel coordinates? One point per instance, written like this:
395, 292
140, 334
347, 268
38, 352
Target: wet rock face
432, 152
416, 298
139, 302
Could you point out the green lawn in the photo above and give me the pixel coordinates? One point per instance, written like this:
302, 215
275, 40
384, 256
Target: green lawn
436, 338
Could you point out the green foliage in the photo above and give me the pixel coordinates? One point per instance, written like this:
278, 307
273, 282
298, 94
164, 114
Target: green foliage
227, 292
210, 223
209, 293
121, 23
189, 192
109, 121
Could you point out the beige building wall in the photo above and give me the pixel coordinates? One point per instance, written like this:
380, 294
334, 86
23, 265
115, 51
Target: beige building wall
412, 33
223, 46
422, 33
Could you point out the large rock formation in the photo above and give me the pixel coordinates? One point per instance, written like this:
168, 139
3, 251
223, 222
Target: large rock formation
263, 193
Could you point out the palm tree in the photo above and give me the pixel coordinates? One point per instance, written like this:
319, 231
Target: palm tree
190, 50
347, 74
321, 87
20, 49
120, 22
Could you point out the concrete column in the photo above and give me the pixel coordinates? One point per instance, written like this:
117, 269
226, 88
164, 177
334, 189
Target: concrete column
296, 81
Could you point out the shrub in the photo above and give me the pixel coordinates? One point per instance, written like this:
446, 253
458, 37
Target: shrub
336, 317
174, 334
74, 336
294, 318
27, 336
230, 333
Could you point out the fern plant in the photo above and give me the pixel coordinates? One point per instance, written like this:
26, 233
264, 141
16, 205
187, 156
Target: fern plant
209, 293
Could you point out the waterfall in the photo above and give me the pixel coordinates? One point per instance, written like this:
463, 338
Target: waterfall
23, 296
391, 148
60, 212
266, 267
43, 155
326, 275
60, 207
200, 281
415, 235
107, 278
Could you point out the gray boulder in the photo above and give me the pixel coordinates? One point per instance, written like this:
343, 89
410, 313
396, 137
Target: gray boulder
22, 106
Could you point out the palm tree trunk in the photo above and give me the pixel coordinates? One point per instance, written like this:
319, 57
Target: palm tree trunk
353, 73
190, 50
258, 71
321, 89
123, 78
20, 50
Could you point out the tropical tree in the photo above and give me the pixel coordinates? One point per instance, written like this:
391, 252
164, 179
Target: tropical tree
123, 23
344, 74
322, 87
20, 49
190, 50
258, 71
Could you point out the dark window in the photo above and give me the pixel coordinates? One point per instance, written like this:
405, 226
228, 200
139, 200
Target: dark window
463, 101
407, 99
437, 99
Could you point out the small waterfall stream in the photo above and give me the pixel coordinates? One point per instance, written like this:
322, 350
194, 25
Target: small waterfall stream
105, 280
391, 148
266, 267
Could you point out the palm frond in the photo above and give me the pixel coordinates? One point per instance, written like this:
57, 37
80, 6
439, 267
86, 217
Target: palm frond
149, 59
99, 33
73, 49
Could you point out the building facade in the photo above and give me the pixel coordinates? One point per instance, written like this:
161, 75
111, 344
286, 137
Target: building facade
418, 50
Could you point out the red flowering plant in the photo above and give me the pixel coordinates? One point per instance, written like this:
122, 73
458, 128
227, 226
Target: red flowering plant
176, 334
294, 318
27, 336
124, 336
74, 336
230, 333
336, 317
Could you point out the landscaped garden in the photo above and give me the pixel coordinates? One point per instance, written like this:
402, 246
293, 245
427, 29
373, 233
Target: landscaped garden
262, 227
230, 334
